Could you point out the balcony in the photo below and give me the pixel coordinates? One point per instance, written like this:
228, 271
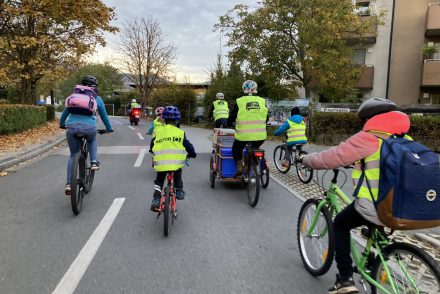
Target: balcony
433, 21
369, 36
431, 74
367, 80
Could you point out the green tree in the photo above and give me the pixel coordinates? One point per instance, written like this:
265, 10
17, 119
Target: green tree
41, 37
298, 43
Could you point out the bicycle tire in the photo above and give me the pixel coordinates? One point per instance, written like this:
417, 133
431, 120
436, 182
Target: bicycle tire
308, 176
253, 176
264, 173
327, 254
212, 173
77, 192
278, 156
391, 251
166, 212
90, 177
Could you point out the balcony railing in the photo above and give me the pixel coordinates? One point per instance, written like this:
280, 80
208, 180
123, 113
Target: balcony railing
433, 20
369, 36
367, 80
431, 73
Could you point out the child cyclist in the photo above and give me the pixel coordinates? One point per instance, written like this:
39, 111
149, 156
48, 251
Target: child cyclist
381, 119
296, 133
170, 149
157, 122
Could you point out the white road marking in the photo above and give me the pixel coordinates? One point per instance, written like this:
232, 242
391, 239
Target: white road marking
140, 136
118, 122
110, 150
131, 127
71, 278
140, 158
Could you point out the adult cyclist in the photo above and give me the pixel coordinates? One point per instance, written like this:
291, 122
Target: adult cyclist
250, 116
220, 111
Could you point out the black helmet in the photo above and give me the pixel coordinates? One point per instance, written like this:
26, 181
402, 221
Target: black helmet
295, 110
90, 81
375, 106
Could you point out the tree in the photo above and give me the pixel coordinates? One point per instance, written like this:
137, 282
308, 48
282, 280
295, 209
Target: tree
38, 37
147, 55
297, 42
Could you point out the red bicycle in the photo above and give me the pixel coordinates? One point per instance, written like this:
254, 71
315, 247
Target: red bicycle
168, 204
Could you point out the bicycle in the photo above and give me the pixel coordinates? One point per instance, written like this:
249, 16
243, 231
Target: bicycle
167, 205
305, 174
387, 266
253, 176
81, 184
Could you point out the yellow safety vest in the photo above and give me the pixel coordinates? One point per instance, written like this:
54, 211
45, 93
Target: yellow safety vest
169, 153
251, 119
221, 109
135, 105
296, 132
156, 124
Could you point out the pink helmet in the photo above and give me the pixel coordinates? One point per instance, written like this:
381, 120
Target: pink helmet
159, 111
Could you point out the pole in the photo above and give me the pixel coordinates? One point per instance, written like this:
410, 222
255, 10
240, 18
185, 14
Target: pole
52, 98
189, 110
390, 51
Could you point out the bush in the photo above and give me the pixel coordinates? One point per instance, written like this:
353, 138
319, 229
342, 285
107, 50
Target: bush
17, 118
177, 96
50, 112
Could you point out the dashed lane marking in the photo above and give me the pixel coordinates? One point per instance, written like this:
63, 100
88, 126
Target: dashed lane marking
131, 127
140, 136
140, 158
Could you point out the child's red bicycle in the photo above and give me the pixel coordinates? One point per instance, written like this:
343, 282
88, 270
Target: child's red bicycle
168, 204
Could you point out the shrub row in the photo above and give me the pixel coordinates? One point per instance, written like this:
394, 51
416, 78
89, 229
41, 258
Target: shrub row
332, 128
16, 118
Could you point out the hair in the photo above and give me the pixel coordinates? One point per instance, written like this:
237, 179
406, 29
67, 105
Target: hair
295, 110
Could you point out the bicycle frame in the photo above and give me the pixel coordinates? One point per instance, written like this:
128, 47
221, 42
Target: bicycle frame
170, 181
375, 241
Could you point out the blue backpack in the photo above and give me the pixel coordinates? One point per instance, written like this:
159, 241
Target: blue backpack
409, 185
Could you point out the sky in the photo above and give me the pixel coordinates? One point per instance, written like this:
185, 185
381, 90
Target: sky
187, 23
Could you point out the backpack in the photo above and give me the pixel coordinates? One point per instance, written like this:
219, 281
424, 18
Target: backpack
82, 100
409, 185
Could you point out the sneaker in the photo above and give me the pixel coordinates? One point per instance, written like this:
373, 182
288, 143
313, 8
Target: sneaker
68, 189
343, 286
180, 194
284, 163
95, 165
239, 171
155, 204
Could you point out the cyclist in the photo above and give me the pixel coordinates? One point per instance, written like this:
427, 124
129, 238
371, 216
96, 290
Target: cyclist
170, 148
157, 122
250, 115
296, 133
220, 111
381, 119
84, 124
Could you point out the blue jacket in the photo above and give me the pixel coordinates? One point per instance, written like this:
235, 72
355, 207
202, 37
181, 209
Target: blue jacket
71, 118
283, 129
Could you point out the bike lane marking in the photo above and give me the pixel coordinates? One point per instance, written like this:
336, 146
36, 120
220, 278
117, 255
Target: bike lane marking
72, 277
131, 127
140, 136
140, 158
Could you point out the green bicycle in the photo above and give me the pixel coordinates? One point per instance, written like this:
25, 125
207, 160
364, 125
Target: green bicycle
387, 266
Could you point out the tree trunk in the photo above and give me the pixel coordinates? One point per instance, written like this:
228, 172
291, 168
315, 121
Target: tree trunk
33, 92
24, 91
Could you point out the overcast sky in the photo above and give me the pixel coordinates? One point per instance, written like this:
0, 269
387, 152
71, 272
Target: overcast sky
187, 23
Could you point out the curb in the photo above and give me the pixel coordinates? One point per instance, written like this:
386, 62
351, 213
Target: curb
8, 162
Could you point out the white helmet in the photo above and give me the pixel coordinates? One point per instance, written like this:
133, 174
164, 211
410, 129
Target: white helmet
133, 100
249, 87
220, 96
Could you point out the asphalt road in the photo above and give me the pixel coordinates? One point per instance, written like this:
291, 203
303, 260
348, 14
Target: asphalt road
219, 244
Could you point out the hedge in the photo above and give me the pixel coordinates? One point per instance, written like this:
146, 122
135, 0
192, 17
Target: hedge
332, 128
16, 118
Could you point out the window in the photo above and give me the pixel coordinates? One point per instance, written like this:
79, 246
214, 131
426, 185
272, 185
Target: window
436, 55
362, 9
359, 56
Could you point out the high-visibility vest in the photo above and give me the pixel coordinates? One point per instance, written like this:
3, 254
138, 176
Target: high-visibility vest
296, 132
168, 149
156, 124
221, 109
251, 119
135, 105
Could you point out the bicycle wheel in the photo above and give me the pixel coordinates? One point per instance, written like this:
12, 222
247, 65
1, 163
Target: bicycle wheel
78, 176
305, 174
90, 176
278, 156
166, 212
212, 173
253, 184
318, 249
264, 173
412, 270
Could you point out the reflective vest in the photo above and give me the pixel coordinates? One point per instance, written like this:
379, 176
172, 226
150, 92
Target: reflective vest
157, 124
251, 119
221, 109
135, 105
169, 153
296, 132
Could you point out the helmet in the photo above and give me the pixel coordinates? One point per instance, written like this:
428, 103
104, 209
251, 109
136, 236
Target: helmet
171, 113
159, 111
375, 106
220, 96
249, 87
90, 81
133, 100
295, 110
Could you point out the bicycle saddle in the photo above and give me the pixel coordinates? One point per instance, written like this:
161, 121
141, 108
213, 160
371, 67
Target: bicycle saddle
80, 136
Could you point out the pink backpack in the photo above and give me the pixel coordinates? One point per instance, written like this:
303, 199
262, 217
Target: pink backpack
82, 100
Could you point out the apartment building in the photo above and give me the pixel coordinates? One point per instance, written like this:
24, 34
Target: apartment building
395, 66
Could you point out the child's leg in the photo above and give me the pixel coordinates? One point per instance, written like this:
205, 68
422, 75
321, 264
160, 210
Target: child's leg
158, 184
178, 183
288, 154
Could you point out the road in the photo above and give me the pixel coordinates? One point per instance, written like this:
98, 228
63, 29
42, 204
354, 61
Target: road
219, 244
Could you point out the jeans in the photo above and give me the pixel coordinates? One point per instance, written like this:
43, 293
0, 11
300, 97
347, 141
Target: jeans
237, 148
344, 221
75, 144
160, 180
289, 149
221, 122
